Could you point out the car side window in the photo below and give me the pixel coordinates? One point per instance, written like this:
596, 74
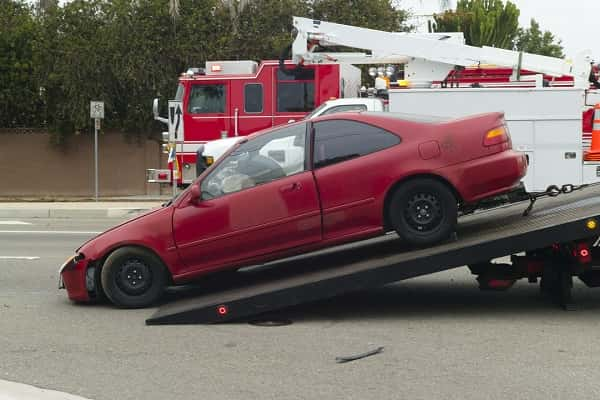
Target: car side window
346, 107
340, 140
268, 157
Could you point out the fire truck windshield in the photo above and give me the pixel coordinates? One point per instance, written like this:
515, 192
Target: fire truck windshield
205, 99
179, 93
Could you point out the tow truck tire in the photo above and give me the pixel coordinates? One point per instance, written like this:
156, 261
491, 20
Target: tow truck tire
133, 277
423, 211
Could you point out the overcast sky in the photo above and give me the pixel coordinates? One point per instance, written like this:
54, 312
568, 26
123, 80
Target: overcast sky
575, 22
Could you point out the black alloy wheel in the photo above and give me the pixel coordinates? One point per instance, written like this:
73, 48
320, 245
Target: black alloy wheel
423, 211
133, 277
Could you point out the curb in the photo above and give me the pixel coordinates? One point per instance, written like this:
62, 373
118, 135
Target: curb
71, 212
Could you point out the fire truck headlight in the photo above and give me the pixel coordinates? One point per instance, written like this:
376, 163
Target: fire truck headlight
389, 70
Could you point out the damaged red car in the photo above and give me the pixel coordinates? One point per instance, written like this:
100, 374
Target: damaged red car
302, 187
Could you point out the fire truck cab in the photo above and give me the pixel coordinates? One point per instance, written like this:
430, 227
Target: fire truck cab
236, 98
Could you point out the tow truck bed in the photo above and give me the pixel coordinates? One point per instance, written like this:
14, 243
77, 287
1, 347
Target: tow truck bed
480, 237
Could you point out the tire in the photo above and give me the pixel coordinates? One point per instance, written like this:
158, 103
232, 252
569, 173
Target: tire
100, 296
423, 211
126, 290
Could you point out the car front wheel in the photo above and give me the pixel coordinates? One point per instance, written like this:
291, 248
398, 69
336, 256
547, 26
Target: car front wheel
133, 277
423, 211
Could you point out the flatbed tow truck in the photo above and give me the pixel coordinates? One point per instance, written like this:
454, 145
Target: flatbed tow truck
555, 242
549, 242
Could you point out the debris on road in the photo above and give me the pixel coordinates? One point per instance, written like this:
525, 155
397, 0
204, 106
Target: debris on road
341, 360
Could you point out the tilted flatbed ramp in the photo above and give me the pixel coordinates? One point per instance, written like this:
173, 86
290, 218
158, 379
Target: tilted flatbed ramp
363, 265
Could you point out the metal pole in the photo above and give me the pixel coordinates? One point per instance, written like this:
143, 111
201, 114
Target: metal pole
174, 168
96, 159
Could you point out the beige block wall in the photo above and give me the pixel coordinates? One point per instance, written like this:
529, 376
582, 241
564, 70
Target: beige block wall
30, 166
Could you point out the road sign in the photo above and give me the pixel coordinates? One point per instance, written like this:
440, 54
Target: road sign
97, 124
96, 109
175, 120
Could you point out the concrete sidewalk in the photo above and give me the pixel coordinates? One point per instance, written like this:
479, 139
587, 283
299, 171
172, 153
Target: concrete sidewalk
18, 391
76, 209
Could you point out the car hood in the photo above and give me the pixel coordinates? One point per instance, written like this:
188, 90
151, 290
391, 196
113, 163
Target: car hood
124, 224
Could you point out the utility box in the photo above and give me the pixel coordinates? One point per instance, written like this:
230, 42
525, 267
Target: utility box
544, 123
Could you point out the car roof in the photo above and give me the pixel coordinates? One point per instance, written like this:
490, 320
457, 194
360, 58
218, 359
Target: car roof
415, 118
419, 118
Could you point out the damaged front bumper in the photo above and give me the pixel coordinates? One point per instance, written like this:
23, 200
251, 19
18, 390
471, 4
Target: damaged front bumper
74, 276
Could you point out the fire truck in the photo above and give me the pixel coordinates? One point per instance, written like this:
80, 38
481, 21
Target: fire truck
235, 98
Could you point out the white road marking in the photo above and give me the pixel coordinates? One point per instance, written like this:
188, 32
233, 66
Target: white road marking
19, 258
14, 223
56, 232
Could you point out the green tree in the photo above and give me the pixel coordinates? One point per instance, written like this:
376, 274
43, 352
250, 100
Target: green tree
375, 14
71, 65
263, 28
533, 40
19, 90
483, 22
58, 56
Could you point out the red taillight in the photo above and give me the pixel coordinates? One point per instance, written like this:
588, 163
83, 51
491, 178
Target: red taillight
583, 254
222, 310
495, 136
588, 120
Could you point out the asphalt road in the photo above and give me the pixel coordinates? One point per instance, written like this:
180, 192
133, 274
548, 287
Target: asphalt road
443, 339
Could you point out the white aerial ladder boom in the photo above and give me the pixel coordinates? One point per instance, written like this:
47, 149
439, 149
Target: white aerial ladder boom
428, 57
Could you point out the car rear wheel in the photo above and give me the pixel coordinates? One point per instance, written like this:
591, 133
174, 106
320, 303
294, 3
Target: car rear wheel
133, 277
423, 211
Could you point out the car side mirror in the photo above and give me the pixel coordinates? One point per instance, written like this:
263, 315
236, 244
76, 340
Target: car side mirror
195, 195
155, 108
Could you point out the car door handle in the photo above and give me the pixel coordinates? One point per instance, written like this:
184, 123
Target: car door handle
291, 187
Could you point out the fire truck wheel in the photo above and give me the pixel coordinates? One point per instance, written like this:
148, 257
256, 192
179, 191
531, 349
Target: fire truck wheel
423, 211
133, 277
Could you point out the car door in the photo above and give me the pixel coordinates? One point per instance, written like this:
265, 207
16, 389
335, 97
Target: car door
350, 167
258, 200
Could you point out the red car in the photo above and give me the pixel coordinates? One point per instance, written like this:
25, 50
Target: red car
302, 187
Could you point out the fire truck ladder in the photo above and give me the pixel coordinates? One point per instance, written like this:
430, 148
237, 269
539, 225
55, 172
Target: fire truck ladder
428, 57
